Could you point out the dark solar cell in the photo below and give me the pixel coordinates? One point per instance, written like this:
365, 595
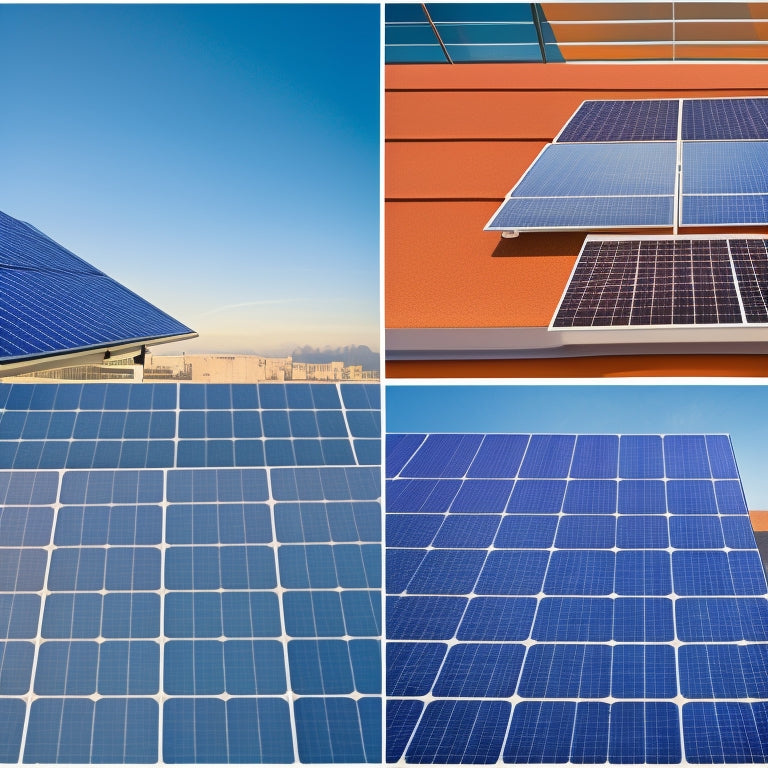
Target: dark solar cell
723, 119
641, 120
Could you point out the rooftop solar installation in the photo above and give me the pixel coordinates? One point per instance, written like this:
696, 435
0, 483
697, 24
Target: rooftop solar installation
572, 599
190, 573
54, 303
663, 282
613, 159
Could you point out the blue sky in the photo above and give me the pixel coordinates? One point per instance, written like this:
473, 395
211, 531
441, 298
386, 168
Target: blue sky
221, 161
739, 410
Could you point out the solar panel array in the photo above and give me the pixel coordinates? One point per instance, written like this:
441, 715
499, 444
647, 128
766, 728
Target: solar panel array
667, 282
190, 573
572, 598
54, 302
615, 165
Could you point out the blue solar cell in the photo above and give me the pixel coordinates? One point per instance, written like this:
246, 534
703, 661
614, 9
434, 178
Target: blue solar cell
447, 572
443, 456
701, 573
641, 456
708, 619
542, 496
412, 530
29, 488
696, 532
540, 732
642, 572
12, 714
738, 532
643, 619
519, 213
641, 531
644, 672
685, 456
747, 573
547, 456
595, 456
627, 120
723, 209
590, 496
580, 572
19, 615
513, 572
348, 735
401, 565
482, 496
724, 167
721, 460
730, 498
128, 668
691, 497
26, 526
320, 667
399, 449
466, 531
465, 671
566, 671
313, 614
644, 733
497, 618
498, 456
725, 732
714, 671
586, 532
424, 618
413, 667
15, 668
238, 730
22, 570
586, 619
536, 531
460, 731
602, 170
402, 716
641, 497
421, 495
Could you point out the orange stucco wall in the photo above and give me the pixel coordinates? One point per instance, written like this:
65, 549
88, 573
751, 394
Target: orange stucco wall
457, 139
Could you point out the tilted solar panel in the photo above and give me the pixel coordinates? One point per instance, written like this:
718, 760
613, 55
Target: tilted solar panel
611, 608
54, 303
190, 573
705, 156
682, 281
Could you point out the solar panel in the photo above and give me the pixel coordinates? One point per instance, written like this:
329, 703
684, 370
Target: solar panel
55, 303
638, 120
615, 165
658, 282
190, 573
629, 625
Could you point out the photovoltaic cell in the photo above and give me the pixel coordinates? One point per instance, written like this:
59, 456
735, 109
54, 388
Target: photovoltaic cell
163, 611
620, 614
640, 120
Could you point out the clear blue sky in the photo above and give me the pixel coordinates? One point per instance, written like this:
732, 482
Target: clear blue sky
739, 410
221, 161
